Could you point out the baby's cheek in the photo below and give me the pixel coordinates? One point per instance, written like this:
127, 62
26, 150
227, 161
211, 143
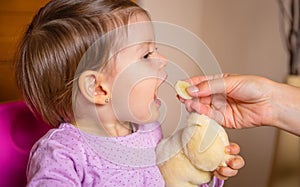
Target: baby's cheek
140, 111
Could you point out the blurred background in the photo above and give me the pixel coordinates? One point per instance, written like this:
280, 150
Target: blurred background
14, 17
245, 36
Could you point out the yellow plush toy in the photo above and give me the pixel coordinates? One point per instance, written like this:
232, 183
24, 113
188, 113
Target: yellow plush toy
188, 158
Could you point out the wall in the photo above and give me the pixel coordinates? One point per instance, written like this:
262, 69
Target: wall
244, 37
14, 17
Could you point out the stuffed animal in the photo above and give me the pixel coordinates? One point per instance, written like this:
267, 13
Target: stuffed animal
188, 157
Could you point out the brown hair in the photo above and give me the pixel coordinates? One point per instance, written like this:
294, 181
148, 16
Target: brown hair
53, 46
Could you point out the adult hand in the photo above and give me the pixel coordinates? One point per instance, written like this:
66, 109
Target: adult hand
240, 101
232, 100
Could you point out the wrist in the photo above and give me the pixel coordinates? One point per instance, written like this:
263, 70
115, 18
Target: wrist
276, 103
285, 110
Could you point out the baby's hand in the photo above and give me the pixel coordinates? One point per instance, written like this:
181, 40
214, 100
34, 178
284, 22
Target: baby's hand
233, 165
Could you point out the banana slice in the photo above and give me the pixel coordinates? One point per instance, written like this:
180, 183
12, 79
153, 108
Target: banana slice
181, 87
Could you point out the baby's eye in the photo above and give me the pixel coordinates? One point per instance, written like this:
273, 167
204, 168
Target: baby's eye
148, 55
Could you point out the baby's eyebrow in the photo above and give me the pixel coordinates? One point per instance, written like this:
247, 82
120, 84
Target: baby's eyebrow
148, 42
144, 45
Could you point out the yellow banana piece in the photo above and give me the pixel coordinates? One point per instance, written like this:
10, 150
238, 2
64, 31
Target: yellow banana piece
181, 87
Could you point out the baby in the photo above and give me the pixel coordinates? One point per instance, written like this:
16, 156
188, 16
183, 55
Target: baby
91, 69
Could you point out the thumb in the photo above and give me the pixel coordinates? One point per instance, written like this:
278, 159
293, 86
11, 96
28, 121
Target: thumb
207, 88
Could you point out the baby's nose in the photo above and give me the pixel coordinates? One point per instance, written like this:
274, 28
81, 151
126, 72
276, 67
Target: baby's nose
163, 61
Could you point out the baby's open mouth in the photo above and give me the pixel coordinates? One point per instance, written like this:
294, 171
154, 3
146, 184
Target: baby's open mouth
161, 81
156, 100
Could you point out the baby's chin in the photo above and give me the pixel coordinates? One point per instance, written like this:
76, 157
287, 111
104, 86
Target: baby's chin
152, 115
148, 120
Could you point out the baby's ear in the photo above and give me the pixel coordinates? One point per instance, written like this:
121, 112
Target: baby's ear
93, 88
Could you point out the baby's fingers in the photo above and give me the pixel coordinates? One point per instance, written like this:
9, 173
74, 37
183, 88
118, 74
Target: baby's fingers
236, 163
233, 164
233, 149
224, 173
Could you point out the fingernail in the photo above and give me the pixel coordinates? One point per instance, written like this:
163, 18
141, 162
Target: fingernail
192, 89
227, 150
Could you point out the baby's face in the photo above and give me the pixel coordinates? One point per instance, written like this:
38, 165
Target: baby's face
140, 71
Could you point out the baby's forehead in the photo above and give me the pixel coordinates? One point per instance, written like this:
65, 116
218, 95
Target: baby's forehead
140, 33
140, 30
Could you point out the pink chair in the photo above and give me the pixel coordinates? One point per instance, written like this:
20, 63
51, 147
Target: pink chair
19, 130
